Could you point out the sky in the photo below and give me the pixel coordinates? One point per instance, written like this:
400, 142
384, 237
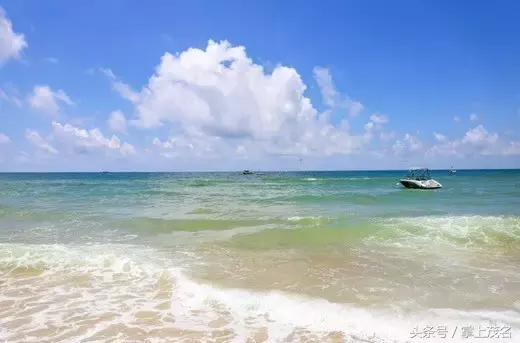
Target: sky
269, 85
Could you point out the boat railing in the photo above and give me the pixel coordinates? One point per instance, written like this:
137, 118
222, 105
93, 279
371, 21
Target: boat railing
419, 175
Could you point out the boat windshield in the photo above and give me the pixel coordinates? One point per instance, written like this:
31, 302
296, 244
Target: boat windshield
419, 174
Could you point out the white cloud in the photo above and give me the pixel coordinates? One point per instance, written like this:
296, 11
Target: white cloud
382, 119
409, 144
473, 117
387, 136
117, 121
479, 137
4, 139
11, 43
37, 141
79, 140
354, 107
43, 98
369, 126
331, 97
23, 157
193, 143
124, 90
241, 150
439, 137
52, 60
127, 149
10, 98
512, 148
375, 124
456, 119
476, 141
218, 99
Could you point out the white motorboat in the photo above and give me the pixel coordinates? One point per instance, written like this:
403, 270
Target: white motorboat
420, 178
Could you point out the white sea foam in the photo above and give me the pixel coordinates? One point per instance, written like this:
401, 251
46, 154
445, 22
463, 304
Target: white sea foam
128, 293
298, 218
444, 229
290, 315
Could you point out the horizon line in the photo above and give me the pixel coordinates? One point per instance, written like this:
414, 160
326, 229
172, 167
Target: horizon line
240, 171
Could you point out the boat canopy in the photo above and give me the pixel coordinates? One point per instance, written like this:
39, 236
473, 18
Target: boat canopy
419, 174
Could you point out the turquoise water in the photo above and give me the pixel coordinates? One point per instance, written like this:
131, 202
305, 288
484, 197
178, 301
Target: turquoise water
278, 257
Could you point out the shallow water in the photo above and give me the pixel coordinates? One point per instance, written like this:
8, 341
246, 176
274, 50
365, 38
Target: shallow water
280, 257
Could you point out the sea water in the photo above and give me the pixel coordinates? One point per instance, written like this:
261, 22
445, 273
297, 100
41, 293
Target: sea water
278, 257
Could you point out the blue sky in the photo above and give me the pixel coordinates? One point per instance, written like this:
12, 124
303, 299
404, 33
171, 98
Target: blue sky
228, 85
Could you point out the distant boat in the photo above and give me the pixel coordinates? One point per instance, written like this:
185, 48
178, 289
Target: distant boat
420, 178
248, 172
452, 171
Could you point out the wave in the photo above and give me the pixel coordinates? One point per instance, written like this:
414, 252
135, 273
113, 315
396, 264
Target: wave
162, 225
290, 317
167, 225
456, 230
131, 293
325, 197
323, 180
412, 232
205, 182
20, 213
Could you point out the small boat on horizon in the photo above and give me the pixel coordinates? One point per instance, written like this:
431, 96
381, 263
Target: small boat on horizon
452, 171
247, 172
419, 178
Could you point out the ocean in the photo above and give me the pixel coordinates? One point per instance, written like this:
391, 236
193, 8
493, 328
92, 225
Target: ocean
277, 257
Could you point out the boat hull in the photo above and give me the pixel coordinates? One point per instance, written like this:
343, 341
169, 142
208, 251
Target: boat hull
417, 184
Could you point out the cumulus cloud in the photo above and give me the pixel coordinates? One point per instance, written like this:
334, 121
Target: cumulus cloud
43, 98
218, 97
381, 119
331, 97
376, 123
473, 117
127, 149
38, 142
476, 141
479, 137
194, 143
117, 121
79, 140
408, 145
387, 136
439, 137
11, 43
4, 139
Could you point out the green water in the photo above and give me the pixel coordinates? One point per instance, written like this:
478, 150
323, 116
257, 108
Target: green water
278, 257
